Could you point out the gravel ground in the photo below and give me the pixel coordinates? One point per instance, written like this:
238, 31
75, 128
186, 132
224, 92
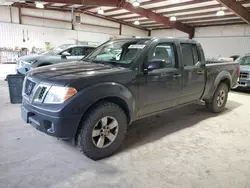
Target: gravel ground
185, 148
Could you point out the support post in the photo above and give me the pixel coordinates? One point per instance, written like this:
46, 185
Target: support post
10, 14
20, 15
149, 33
191, 35
120, 29
72, 19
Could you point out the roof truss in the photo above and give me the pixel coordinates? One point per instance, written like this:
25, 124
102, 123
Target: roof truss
237, 8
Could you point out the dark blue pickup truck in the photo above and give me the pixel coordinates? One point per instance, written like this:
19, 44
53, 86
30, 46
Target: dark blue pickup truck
94, 100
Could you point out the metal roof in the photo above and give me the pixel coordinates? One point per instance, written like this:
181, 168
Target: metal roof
194, 13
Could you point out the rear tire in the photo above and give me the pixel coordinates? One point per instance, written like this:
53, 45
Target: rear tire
103, 131
219, 99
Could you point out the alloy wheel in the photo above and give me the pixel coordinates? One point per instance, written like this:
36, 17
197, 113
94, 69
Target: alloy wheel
105, 132
221, 98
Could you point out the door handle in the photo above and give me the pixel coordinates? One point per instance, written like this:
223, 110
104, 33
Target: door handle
200, 72
176, 76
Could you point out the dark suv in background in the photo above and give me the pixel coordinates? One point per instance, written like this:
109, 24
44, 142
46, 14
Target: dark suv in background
63, 53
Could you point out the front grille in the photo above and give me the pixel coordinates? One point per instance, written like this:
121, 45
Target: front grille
29, 86
243, 84
243, 75
41, 93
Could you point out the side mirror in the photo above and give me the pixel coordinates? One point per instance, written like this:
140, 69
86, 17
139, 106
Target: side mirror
65, 54
155, 64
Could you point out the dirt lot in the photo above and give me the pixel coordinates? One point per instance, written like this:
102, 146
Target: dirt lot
185, 148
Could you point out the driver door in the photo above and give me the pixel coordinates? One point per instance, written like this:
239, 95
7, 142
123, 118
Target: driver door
160, 86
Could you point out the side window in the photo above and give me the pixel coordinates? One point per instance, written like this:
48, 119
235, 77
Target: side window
190, 54
78, 51
88, 50
165, 53
69, 51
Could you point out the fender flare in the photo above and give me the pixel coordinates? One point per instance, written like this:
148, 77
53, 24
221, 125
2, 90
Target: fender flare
219, 78
90, 95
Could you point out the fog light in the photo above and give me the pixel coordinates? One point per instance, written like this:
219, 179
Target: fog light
49, 126
51, 129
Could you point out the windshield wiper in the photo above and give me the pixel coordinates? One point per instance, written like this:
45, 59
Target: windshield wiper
113, 63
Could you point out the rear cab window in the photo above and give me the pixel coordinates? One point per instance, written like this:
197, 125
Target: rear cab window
190, 54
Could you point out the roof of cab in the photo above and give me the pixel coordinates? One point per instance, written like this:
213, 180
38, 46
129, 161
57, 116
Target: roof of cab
182, 40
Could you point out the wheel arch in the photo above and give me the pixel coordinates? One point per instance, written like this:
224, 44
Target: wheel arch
222, 77
99, 93
227, 82
116, 100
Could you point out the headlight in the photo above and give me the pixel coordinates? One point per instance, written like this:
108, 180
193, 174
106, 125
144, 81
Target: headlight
57, 95
33, 64
23, 63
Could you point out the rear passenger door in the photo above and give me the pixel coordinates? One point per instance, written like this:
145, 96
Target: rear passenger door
193, 73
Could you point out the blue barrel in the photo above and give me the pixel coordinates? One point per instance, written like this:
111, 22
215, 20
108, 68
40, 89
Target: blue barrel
15, 82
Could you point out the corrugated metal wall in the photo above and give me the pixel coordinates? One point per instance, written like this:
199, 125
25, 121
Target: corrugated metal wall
225, 46
11, 35
217, 41
169, 33
56, 32
224, 40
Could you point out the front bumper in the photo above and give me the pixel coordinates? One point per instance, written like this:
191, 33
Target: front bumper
244, 84
52, 124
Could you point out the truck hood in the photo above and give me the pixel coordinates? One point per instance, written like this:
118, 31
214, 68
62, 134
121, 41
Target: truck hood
64, 73
245, 68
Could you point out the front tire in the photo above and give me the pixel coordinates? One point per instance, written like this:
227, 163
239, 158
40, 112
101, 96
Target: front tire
219, 99
102, 131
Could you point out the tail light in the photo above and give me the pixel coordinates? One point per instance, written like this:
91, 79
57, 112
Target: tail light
238, 71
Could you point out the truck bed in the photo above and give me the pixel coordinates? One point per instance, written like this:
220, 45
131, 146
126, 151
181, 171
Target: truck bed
219, 60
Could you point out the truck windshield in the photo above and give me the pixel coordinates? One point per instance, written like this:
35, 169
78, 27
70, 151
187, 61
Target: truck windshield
120, 52
244, 60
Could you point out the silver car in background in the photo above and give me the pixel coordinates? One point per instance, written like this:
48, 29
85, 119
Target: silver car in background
244, 78
61, 54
